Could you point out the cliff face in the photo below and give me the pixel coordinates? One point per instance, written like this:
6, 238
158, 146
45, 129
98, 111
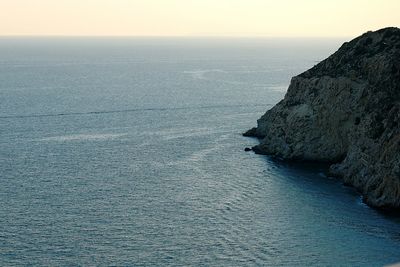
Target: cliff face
346, 111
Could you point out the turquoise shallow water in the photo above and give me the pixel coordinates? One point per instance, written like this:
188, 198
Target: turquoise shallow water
129, 152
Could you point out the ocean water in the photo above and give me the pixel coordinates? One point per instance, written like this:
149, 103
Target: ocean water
128, 152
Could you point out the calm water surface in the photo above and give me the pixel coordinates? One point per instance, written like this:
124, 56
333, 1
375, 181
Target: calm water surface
129, 152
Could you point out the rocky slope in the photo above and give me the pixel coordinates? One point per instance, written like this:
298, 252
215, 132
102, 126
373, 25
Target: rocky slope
345, 111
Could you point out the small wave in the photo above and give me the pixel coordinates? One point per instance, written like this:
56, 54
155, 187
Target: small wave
278, 88
200, 74
81, 137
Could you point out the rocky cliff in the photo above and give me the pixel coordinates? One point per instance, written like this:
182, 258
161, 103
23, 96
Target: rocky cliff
345, 111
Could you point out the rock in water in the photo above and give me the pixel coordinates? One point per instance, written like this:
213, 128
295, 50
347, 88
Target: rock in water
346, 111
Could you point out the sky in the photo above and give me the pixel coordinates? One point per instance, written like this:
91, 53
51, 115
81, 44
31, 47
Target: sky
235, 18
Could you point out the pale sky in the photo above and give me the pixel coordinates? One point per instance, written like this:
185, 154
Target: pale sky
279, 18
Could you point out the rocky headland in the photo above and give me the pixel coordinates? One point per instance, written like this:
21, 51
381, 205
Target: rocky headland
345, 111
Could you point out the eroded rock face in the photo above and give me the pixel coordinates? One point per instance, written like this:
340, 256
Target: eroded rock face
346, 111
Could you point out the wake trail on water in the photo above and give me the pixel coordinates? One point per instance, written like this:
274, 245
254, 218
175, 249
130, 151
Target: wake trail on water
126, 111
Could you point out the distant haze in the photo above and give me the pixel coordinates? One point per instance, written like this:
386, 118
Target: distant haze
283, 18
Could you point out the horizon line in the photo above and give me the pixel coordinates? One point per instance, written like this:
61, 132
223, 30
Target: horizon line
174, 36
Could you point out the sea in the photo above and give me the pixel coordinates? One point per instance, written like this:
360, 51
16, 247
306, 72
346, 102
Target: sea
128, 152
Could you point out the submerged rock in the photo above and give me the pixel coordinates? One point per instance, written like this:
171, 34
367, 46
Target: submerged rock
345, 111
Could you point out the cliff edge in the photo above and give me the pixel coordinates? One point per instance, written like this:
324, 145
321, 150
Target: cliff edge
345, 111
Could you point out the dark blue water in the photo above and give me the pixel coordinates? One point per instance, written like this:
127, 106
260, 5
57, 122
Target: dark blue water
129, 152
